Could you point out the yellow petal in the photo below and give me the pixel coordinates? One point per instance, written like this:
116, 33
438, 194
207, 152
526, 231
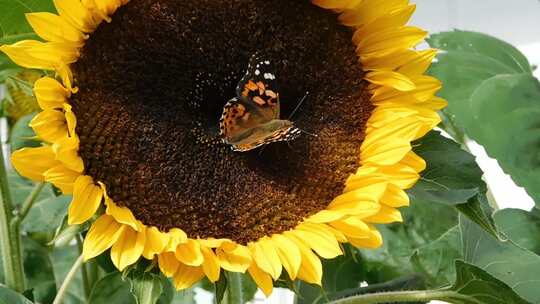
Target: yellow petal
57, 53
67, 152
426, 87
121, 214
233, 257
33, 162
176, 237
50, 94
210, 265
361, 202
62, 177
391, 79
326, 216
261, 278
266, 257
186, 276
76, 14
386, 153
414, 161
52, 27
352, 227
155, 242
323, 243
128, 248
391, 19
386, 215
101, 236
18, 53
366, 11
371, 240
189, 253
419, 64
395, 197
213, 243
50, 125
288, 253
86, 200
168, 264
311, 267
389, 40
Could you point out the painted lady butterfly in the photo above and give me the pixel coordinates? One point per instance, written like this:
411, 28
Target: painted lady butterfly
251, 119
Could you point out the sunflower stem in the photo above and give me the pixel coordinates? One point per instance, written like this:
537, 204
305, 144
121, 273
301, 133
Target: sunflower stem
29, 202
449, 296
87, 287
9, 231
234, 288
69, 278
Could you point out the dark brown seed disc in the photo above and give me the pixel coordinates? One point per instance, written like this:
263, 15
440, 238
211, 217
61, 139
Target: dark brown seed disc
153, 84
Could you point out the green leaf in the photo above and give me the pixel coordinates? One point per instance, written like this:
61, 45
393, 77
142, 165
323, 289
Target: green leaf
505, 112
21, 134
46, 215
8, 296
479, 211
441, 183
435, 259
65, 233
490, 48
459, 184
520, 226
339, 274
62, 260
167, 295
469, 58
479, 287
111, 289
186, 296
505, 261
21, 187
220, 288
13, 25
493, 97
38, 270
146, 287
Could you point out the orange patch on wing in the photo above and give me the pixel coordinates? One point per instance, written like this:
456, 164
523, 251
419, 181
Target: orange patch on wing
261, 87
248, 87
258, 100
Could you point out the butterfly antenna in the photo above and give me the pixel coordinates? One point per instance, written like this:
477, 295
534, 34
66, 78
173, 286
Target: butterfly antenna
298, 105
308, 133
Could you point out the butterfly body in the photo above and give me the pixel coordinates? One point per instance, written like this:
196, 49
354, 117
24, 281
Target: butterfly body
252, 119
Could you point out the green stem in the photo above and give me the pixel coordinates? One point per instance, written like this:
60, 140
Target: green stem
405, 296
84, 268
10, 236
234, 288
29, 201
69, 278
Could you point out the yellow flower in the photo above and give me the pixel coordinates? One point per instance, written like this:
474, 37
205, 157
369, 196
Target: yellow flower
129, 123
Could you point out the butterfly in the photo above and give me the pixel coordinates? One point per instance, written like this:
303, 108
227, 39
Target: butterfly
252, 118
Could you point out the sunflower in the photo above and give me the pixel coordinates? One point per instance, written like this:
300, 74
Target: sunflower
130, 128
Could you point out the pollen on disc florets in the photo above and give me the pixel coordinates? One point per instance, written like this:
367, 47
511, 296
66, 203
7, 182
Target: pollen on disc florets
153, 83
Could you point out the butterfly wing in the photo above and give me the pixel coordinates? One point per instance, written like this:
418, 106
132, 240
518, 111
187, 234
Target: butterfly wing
252, 118
259, 87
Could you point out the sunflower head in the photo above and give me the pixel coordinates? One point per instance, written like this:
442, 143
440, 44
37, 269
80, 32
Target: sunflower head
131, 122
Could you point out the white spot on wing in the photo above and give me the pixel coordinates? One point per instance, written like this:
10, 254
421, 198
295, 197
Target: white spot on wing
269, 76
257, 72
